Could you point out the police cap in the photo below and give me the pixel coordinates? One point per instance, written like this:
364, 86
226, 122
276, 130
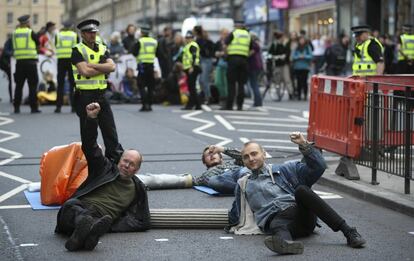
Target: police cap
407, 27
189, 34
24, 19
89, 25
145, 29
239, 22
67, 24
360, 29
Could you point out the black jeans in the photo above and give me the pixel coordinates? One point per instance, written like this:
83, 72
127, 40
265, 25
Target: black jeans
26, 70
106, 122
191, 81
146, 84
237, 73
302, 81
71, 212
300, 221
64, 67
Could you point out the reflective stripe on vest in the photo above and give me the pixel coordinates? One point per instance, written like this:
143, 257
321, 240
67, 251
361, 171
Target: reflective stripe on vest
364, 65
24, 46
188, 56
65, 41
97, 82
407, 47
147, 49
240, 43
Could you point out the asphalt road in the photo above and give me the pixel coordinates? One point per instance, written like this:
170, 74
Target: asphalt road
163, 136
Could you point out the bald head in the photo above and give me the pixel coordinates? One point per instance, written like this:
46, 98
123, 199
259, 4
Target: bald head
130, 163
253, 155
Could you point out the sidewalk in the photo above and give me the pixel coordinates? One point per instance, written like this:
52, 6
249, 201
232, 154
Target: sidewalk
389, 193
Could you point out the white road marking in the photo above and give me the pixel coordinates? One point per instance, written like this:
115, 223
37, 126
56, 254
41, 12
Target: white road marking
206, 107
327, 195
305, 114
161, 239
298, 119
15, 155
28, 245
269, 124
207, 124
12, 135
264, 131
225, 123
5, 121
273, 140
226, 238
21, 180
17, 253
15, 206
241, 112
282, 109
246, 117
411, 233
12, 192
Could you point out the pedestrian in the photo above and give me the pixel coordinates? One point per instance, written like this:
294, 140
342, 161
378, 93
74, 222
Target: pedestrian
206, 61
25, 51
145, 51
302, 58
47, 40
191, 66
177, 49
405, 49
91, 66
5, 62
65, 40
318, 52
165, 46
389, 55
238, 45
112, 198
220, 77
335, 57
115, 46
282, 201
255, 69
280, 61
129, 41
368, 57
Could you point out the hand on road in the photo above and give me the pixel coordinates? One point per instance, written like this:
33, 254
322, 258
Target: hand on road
93, 109
297, 138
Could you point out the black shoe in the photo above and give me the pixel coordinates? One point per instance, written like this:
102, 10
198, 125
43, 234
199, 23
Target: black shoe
81, 232
99, 228
58, 110
354, 239
36, 111
16, 110
198, 108
143, 108
282, 246
186, 108
73, 110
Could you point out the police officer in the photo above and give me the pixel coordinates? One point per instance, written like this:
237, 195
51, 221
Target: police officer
191, 65
65, 40
368, 54
91, 65
238, 49
25, 48
145, 51
405, 49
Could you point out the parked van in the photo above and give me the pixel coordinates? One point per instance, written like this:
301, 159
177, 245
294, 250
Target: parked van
211, 25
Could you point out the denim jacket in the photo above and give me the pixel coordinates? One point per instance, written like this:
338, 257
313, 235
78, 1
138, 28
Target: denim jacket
287, 176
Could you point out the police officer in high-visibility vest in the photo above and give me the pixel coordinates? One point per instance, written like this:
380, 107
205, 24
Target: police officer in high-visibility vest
191, 66
91, 65
65, 40
25, 50
405, 49
368, 53
238, 50
145, 51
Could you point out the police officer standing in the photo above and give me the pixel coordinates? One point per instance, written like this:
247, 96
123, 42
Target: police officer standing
145, 51
65, 40
405, 49
25, 48
191, 65
91, 65
368, 57
238, 45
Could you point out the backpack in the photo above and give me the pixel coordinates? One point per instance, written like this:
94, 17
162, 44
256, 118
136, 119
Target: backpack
336, 56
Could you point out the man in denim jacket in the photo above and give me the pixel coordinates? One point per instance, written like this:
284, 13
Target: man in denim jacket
282, 201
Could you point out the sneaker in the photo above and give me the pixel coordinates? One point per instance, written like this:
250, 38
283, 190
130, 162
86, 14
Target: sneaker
36, 111
81, 232
282, 246
100, 227
354, 239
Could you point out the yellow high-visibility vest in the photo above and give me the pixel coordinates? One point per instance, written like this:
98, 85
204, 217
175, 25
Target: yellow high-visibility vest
24, 46
364, 65
240, 43
407, 47
188, 56
147, 50
97, 82
65, 41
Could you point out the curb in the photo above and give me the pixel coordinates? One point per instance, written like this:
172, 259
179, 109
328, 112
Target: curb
380, 197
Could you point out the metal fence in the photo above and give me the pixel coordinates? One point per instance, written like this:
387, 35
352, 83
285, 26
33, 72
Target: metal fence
388, 136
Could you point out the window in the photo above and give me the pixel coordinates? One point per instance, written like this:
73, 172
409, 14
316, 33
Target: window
9, 18
35, 18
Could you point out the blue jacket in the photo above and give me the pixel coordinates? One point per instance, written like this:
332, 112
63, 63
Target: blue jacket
302, 58
288, 176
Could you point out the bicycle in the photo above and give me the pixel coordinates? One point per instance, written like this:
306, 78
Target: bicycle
274, 79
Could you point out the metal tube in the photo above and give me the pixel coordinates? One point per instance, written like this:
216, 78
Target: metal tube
374, 140
189, 218
407, 129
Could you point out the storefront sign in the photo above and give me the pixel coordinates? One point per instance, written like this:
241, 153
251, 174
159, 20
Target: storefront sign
280, 4
305, 3
255, 12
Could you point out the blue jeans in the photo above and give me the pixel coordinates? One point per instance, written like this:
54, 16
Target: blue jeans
204, 80
226, 182
254, 85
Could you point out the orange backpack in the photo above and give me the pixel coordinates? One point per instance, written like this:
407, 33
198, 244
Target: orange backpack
62, 170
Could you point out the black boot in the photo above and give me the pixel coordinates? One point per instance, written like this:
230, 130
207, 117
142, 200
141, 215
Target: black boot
354, 239
81, 232
99, 228
283, 246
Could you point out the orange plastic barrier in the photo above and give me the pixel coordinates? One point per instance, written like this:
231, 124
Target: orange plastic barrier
62, 170
336, 107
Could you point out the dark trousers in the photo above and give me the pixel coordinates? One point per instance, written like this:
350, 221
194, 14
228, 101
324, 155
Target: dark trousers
70, 214
191, 81
300, 221
113, 150
237, 73
64, 67
26, 70
404, 67
302, 81
146, 84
